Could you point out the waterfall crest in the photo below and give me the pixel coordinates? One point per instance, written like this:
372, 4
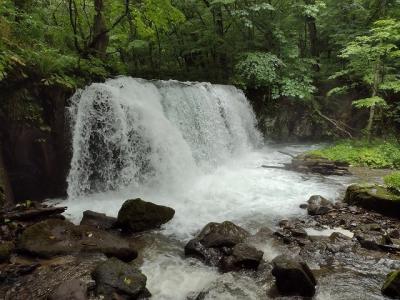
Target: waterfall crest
134, 132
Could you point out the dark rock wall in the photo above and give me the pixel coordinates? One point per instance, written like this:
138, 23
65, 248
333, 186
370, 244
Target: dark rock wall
37, 159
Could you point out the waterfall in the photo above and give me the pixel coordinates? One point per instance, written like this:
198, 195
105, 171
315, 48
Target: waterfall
134, 132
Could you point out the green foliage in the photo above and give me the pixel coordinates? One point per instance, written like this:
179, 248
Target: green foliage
265, 70
393, 181
259, 69
369, 102
377, 154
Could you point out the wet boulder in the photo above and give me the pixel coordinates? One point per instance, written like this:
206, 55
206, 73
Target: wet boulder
137, 215
216, 241
391, 287
225, 234
293, 277
58, 237
118, 280
318, 205
98, 220
374, 197
73, 289
243, 257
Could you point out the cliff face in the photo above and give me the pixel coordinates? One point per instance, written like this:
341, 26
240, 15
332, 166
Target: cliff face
36, 159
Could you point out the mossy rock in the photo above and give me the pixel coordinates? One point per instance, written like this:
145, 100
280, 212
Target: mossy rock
6, 249
116, 278
137, 215
391, 287
374, 197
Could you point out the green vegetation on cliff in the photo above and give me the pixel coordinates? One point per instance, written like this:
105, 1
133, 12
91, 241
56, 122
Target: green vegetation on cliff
376, 154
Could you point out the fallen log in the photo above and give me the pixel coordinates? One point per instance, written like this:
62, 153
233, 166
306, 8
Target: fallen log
34, 213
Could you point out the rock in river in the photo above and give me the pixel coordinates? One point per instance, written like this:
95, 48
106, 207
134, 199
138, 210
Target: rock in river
98, 220
118, 280
243, 257
223, 245
293, 277
374, 197
58, 237
138, 215
318, 205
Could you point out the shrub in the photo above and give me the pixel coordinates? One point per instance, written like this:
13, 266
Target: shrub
377, 154
392, 181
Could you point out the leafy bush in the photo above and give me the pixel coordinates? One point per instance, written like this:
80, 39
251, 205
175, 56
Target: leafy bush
393, 181
377, 154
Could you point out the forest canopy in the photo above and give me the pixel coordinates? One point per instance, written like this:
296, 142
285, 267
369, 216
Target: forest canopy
303, 50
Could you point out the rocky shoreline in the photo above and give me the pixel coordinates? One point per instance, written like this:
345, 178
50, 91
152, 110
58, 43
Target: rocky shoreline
44, 256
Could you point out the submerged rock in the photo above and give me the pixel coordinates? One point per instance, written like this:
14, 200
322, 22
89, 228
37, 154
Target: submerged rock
391, 287
138, 215
117, 280
98, 220
318, 205
58, 237
293, 277
73, 289
374, 197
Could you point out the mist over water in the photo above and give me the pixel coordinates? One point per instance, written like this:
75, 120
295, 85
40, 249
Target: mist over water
193, 147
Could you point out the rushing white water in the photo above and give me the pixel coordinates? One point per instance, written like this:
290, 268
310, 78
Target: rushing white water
190, 146
131, 132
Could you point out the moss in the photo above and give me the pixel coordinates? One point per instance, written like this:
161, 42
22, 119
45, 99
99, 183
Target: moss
391, 287
374, 197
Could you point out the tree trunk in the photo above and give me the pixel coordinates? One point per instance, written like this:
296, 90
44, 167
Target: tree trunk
99, 44
312, 35
370, 122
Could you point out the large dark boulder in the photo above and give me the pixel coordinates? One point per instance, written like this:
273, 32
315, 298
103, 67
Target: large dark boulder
138, 215
243, 257
98, 220
73, 289
374, 197
225, 234
318, 205
118, 280
215, 245
293, 277
58, 237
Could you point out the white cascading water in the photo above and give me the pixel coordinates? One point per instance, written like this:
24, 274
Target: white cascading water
132, 132
190, 146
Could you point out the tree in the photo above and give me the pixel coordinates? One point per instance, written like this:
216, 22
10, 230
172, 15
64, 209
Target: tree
372, 59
